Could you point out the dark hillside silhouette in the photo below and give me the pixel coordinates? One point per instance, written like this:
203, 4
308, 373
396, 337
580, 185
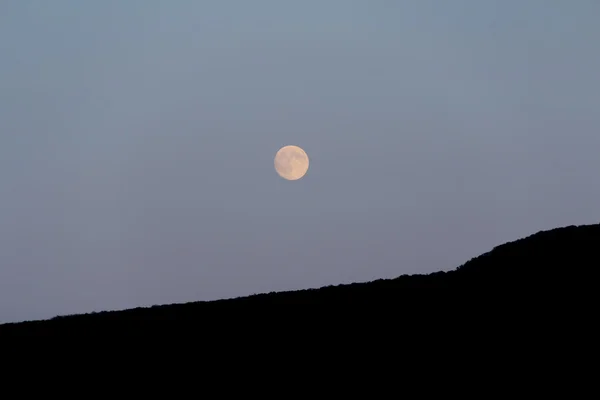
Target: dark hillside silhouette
549, 267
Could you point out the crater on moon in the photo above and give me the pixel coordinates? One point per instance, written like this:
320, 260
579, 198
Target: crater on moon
291, 162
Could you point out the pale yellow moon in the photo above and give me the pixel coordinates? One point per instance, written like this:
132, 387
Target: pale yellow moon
291, 162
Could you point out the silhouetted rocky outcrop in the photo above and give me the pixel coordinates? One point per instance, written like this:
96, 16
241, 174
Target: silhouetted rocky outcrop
542, 270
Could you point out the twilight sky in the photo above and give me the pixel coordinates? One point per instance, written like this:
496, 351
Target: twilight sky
137, 140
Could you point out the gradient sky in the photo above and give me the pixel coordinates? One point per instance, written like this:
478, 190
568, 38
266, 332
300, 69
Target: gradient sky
137, 140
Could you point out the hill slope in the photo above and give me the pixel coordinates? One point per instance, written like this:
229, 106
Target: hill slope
537, 268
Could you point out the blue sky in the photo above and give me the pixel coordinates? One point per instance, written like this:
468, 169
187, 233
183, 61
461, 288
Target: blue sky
137, 142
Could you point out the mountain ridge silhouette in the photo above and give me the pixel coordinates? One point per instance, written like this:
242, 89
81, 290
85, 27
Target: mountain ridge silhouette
512, 276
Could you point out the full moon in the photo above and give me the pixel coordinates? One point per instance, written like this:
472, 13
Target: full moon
291, 163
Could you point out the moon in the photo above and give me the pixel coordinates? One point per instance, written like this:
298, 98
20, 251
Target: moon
291, 162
